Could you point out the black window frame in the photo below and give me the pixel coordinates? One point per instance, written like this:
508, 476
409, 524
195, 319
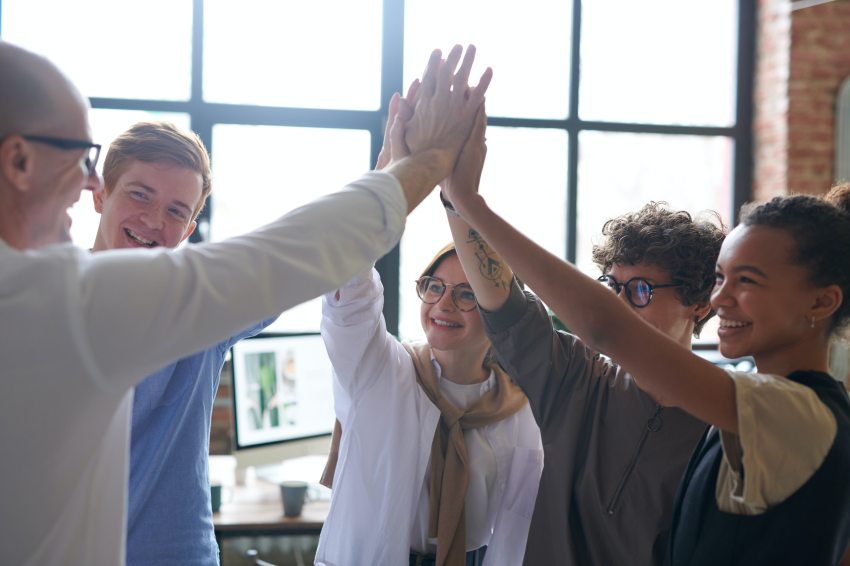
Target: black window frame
204, 115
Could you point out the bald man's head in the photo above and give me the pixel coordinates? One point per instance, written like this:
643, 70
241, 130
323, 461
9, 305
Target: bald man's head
44, 147
35, 97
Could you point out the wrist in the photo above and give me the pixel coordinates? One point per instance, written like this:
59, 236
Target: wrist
450, 209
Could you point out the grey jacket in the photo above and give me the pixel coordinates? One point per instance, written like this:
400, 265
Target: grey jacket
613, 458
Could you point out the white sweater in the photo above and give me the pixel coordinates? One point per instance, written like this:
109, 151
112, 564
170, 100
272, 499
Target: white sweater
77, 331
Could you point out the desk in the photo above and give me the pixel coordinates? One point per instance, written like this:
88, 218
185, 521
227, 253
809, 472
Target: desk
258, 511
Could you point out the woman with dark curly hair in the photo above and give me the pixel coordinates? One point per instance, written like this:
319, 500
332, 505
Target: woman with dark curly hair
768, 484
614, 454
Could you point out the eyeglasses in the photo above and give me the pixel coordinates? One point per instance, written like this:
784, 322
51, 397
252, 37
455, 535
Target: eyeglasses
89, 159
431, 290
638, 290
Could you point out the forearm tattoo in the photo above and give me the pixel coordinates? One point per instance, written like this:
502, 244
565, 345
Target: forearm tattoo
490, 267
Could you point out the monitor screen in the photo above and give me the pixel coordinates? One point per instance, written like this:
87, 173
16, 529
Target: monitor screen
282, 389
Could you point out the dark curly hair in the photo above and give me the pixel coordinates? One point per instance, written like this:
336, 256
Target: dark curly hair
684, 247
820, 228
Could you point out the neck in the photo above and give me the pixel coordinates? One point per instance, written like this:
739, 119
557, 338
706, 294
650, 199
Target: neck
99, 243
13, 229
807, 354
462, 366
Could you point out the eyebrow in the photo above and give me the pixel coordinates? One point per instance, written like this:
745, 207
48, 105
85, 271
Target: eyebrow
748, 269
153, 191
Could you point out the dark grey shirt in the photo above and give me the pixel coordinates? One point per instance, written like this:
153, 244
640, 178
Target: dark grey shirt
613, 457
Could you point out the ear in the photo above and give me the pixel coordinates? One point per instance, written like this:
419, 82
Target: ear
700, 311
98, 198
16, 161
189, 230
827, 301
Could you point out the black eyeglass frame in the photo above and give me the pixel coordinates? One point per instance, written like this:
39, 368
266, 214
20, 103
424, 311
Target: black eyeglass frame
456, 286
68, 145
617, 287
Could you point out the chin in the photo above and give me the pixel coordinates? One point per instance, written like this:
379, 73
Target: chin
730, 351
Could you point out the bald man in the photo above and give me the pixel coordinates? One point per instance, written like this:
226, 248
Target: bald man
80, 330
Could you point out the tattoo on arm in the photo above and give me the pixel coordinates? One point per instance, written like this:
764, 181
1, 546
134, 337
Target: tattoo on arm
489, 266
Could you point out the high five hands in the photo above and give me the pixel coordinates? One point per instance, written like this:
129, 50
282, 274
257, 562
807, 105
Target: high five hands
438, 114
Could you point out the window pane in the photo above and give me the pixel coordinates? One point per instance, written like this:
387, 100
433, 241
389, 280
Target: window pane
139, 50
619, 173
662, 62
524, 180
106, 126
324, 54
528, 49
262, 172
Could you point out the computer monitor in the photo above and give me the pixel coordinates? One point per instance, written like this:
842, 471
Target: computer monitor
282, 389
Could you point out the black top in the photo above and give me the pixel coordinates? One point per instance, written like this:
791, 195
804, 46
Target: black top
811, 527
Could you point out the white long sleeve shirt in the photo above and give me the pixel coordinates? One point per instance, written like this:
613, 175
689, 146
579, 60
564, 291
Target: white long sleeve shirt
388, 426
77, 331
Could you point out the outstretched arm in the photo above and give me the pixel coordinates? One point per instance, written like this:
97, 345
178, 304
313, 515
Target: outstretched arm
489, 276
669, 373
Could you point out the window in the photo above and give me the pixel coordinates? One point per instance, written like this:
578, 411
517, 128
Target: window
595, 107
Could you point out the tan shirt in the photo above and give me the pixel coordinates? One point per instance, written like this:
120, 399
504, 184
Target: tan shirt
784, 435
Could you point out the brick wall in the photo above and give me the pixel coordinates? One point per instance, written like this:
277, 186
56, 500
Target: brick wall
803, 57
221, 432
770, 126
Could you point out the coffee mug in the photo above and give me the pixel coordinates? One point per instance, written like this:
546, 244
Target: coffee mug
294, 493
216, 490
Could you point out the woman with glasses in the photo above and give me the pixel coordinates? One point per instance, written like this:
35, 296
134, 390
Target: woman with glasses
440, 457
768, 484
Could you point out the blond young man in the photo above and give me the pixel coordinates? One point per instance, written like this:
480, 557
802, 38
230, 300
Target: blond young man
156, 181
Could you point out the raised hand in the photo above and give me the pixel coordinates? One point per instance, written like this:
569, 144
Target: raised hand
446, 106
466, 176
400, 111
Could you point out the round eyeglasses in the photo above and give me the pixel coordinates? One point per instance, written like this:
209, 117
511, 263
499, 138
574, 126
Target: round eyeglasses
638, 290
431, 290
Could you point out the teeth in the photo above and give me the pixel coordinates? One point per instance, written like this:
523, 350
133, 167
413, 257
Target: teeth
445, 323
726, 323
136, 237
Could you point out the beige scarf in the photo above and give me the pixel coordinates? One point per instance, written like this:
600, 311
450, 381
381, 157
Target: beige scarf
449, 473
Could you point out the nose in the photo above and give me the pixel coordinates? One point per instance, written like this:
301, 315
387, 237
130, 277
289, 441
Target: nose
446, 302
94, 182
152, 218
720, 295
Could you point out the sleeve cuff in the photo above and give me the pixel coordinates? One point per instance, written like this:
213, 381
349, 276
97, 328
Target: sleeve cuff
510, 313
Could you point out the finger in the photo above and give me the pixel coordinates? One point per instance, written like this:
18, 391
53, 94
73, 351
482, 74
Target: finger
462, 75
429, 77
412, 93
391, 113
405, 110
483, 83
384, 156
397, 144
447, 70
480, 126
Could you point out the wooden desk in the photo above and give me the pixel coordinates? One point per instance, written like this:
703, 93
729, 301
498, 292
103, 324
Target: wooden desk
258, 511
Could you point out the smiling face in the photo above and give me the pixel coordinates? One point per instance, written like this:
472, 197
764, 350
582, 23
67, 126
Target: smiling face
446, 327
763, 299
665, 311
56, 176
151, 205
